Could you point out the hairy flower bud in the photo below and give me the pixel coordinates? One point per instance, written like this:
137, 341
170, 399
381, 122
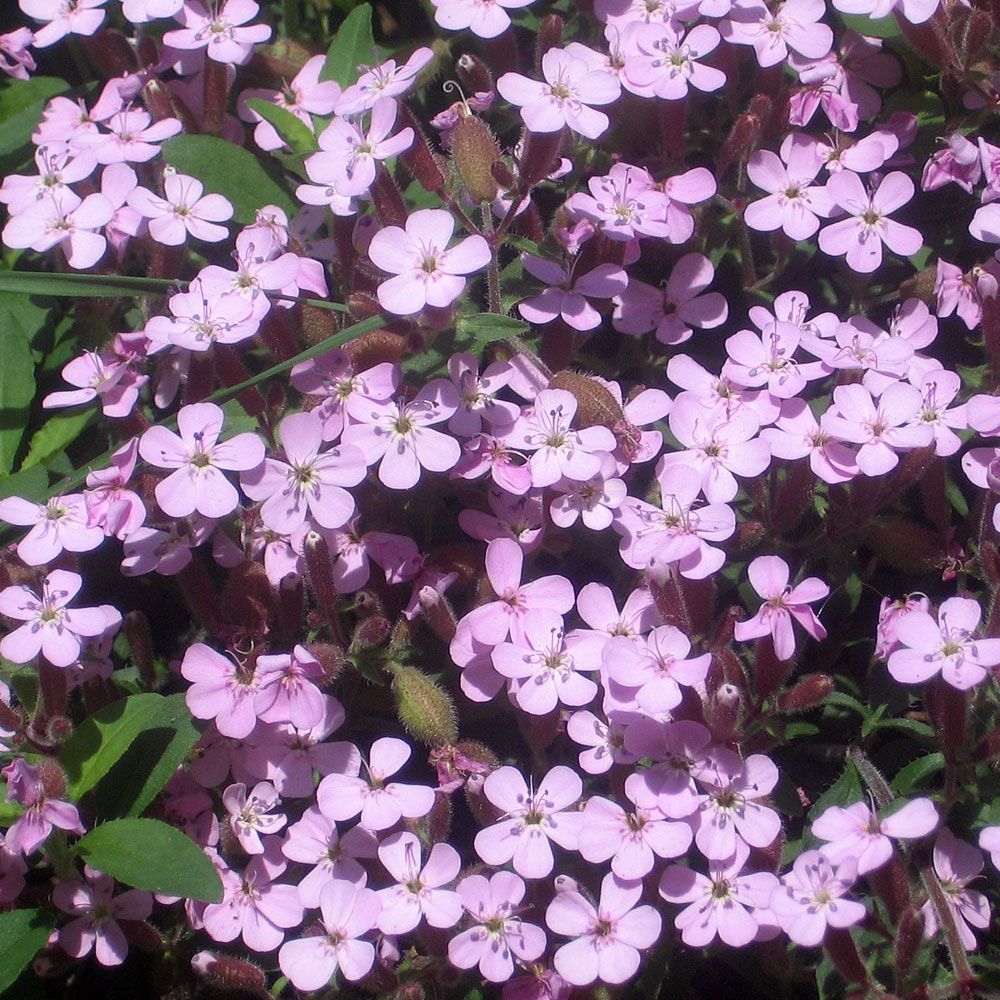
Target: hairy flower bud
769, 673
140, 643
474, 150
425, 709
110, 53
225, 972
722, 713
807, 694
843, 952
741, 141
371, 632
909, 936
59, 730
538, 154
503, 175
921, 286
330, 656
549, 35
420, 159
474, 74
317, 325
595, 406
52, 777
375, 347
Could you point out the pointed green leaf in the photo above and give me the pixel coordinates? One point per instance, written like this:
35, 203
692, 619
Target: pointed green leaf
148, 854
17, 390
486, 327
82, 285
57, 433
297, 135
21, 106
23, 934
352, 46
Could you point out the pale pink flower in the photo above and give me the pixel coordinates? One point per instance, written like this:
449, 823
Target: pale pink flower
604, 741
418, 892
794, 24
476, 393
679, 750
722, 903
50, 627
389, 79
484, 18
964, 293
769, 578
989, 841
348, 912
664, 61
141, 11
15, 59
624, 203
42, 813
61, 523
133, 137
532, 818
65, 221
251, 815
287, 690
813, 896
890, 613
381, 803
62, 18
796, 434
199, 459
198, 320
608, 937
861, 236
957, 864
564, 100
96, 912
567, 294
221, 690
107, 377
221, 30
427, 272
183, 210
498, 936
855, 832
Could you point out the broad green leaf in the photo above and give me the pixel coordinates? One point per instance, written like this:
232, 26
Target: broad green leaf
873, 27
83, 285
150, 762
148, 854
22, 935
17, 390
101, 740
21, 106
32, 484
916, 771
297, 135
57, 433
228, 170
486, 327
845, 791
352, 46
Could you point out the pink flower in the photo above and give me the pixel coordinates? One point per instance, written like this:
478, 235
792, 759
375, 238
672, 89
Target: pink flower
199, 320
679, 750
418, 893
133, 137
796, 434
305, 95
63, 17
219, 30
251, 815
141, 11
546, 666
571, 86
65, 221
567, 295
498, 935
769, 578
964, 294
721, 903
15, 59
484, 18
794, 25
309, 483
603, 741
946, 646
199, 458
532, 818
729, 813
557, 449
989, 840
957, 864
812, 896
625, 203
50, 627
882, 429
42, 813
861, 236
890, 613
400, 436
631, 841
427, 272
386, 80
663, 61
58, 524
608, 936
380, 803
287, 690
792, 204
97, 911
183, 210
107, 377
857, 833
347, 913
673, 310
221, 690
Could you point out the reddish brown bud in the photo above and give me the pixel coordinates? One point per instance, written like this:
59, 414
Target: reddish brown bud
140, 643
371, 632
249, 601
808, 694
439, 615
59, 730
317, 325
226, 972
909, 937
199, 593
110, 53
892, 885
539, 731
231, 371
474, 150
596, 405
375, 347
921, 286
948, 708
549, 35
903, 544
741, 141
217, 84
319, 575
52, 777
670, 603
538, 153
503, 175
387, 199
331, 658
843, 952
143, 935
769, 673
474, 73
722, 713
419, 158
748, 535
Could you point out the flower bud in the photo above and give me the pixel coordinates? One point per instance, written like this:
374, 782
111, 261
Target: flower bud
538, 153
892, 886
371, 632
330, 657
595, 406
474, 74
52, 777
59, 730
741, 141
317, 325
390, 206
438, 613
110, 53
909, 937
921, 286
231, 371
419, 158
375, 347
808, 694
843, 952
769, 673
723, 712
549, 35
425, 709
140, 643
948, 708
474, 150
231, 974
319, 573
143, 935
503, 175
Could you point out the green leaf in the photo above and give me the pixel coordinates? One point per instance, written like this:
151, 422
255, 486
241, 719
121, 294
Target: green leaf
352, 46
228, 170
17, 390
486, 327
873, 27
148, 854
83, 285
150, 762
101, 740
21, 106
32, 484
845, 791
22, 934
916, 771
57, 433
846, 701
297, 135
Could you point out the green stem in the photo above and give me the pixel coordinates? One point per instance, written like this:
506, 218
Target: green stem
291, 18
493, 271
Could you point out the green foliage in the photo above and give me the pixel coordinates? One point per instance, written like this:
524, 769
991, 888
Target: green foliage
21, 104
22, 934
57, 434
17, 390
352, 46
230, 171
82, 285
148, 854
296, 133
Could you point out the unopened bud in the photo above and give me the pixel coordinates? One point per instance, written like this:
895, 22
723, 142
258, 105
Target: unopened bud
909, 937
549, 35
319, 573
199, 592
59, 730
425, 709
748, 535
503, 175
596, 406
438, 613
317, 325
110, 53
538, 154
390, 207
474, 74
52, 777
921, 286
769, 673
741, 141
371, 632
843, 952
229, 973
807, 694
474, 150
419, 158
892, 885
375, 347
723, 711
142, 935
140, 643
330, 657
